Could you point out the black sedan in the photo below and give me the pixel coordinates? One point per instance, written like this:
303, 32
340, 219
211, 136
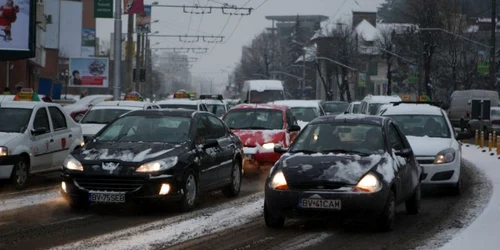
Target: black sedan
166, 155
344, 165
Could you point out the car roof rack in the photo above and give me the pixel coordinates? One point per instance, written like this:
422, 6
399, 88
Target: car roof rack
437, 104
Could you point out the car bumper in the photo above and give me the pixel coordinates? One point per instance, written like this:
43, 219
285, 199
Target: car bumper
134, 188
6, 166
287, 203
437, 174
258, 161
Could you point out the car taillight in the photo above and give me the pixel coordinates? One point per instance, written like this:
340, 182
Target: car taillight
467, 113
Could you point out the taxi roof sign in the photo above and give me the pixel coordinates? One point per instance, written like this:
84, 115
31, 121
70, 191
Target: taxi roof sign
134, 96
182, 95
27, 94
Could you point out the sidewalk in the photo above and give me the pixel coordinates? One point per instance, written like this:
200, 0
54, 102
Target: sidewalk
481, 234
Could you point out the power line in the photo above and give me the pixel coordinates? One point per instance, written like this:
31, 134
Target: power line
201, 19
196, 9
260, 5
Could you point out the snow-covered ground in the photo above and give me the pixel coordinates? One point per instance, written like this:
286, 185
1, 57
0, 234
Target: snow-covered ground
483, 232
174, 230
29, 200
20, 34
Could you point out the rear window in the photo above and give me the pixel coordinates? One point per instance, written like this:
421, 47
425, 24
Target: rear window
179, 106
306, 114
266, 96
495, 112
254, 119
103, 116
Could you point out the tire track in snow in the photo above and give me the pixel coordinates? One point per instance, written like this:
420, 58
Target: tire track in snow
30, 200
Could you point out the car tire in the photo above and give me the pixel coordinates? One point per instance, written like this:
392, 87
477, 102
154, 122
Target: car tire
457, 189
386, 220
273, 221
20, 173
413, 204
233, 189
190, 192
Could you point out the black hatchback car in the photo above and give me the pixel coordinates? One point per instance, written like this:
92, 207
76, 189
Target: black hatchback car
344, 165
170, 155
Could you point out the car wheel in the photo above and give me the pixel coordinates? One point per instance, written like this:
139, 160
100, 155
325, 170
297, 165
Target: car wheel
190, 192
457, 189
20, 172
272, 220
387, 219
413, 204
233, 189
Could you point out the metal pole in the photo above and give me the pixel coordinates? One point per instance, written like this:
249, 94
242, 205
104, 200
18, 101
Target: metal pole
130, 51
304, 75
118, 50
7, 84
493, 44
138, 54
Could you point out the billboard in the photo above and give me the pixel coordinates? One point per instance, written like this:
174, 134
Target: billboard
17, 29
133, 7
143, 21
88, 42
89, 72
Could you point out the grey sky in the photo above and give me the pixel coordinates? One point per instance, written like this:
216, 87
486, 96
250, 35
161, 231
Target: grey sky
224, 56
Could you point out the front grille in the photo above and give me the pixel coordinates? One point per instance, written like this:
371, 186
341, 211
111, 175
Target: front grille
316, 186
109, 184
425, 161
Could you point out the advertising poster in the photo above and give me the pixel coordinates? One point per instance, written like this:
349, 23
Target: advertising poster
89, 72
88, 42
133, 7
143, 21
15, 25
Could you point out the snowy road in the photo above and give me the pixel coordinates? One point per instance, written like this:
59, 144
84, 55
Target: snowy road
39, 219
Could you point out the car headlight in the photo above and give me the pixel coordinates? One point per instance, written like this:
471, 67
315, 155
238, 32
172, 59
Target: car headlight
72, 163
445, 156
158, 165
368, 184
279, 182
4, 151
268, 145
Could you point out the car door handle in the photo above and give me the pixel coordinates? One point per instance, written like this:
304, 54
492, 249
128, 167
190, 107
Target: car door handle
70, 135
51, 140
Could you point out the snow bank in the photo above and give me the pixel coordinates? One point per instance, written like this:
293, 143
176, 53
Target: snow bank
168, 232
483, 232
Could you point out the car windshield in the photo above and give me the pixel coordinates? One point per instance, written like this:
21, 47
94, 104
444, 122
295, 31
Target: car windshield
137, 128
14, 120
373, 108
179, 106
347, 138
335, 107
423, 125
254, 119
306, 114
216, 109
355, 108
266, 96
103, 116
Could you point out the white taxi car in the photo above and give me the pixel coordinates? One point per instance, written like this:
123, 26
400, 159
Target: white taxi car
433, 141
105, 112
215, 104
183, 101
304, 110
35, 137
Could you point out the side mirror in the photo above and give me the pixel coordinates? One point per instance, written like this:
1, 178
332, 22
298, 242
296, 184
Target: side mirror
210, 143
280, 150
38, 131
463, 136
404, 152
294, 128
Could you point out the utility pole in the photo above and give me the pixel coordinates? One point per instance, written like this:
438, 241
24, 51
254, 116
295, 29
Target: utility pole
118, 50
304, 74
130, 51
493, 44
138, 61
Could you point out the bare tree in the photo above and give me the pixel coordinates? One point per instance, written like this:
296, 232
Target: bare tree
258, 57
385, 42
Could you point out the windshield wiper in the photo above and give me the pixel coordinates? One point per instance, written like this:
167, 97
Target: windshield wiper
343, 151
305, 151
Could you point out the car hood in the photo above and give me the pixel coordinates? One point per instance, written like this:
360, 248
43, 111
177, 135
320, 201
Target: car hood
428, 146
7, 137
91, 129
301, 169
252, 138
126, 152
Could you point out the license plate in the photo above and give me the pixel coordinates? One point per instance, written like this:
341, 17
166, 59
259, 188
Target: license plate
107, 197
248, 157
320, 204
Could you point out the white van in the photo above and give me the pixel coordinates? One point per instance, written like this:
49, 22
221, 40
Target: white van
460, 104
372, 103
262, 91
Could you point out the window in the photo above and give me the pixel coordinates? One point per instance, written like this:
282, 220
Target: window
217, 127
254, 119
266, 96
373, 68
202, 130
18, 119
423, 125
103, 116
41, 120
291, 119
179, 106
395, 140
306, 114
149, 107
58, 119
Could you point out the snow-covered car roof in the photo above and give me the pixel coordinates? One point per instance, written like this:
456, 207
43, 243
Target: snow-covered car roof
179, 101
381, 99
213, 102
412, 109
260, 106
298, 103
26, 104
